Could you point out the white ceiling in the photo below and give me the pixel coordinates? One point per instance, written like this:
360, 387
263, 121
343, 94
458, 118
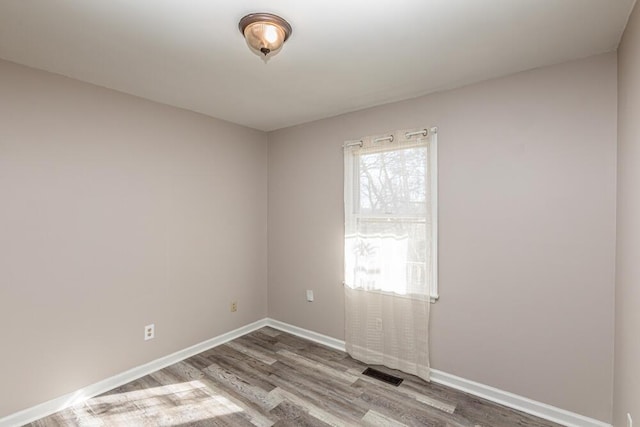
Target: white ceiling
344, 55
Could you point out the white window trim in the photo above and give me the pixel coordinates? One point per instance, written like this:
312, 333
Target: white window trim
433, 292
433, 168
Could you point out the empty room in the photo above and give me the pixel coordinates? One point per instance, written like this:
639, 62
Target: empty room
306, 213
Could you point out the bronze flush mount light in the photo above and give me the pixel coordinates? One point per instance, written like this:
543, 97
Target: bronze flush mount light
265, 33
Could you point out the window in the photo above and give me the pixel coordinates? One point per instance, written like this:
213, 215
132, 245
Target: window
391, 214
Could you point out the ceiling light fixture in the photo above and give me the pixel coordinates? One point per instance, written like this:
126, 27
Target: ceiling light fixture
265, 33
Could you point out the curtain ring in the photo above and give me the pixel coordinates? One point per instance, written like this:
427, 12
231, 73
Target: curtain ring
423, 132
385, 138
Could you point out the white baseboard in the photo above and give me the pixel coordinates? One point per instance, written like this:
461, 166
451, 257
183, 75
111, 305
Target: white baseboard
44, 409
305, 333
514, 401
520, 403
492, 394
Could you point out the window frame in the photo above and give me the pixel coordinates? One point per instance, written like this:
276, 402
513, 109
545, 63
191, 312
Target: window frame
432, 192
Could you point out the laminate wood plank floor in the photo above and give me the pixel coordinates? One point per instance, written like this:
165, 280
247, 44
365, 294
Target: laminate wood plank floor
272, 378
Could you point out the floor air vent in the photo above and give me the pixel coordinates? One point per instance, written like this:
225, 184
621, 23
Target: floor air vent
389, 379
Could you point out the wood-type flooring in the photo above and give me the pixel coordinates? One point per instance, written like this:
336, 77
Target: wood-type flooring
272, 378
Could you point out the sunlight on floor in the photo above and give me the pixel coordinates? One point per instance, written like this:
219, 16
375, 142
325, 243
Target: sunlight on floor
168, 405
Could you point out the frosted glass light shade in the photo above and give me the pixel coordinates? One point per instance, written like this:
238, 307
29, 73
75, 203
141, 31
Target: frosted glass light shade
264, 38
265, 33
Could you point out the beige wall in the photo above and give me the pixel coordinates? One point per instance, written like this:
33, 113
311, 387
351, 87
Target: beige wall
527, 228
627, 346
116, 212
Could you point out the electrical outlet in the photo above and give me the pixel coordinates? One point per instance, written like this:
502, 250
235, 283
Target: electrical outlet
309, 295
234, 306
149, 332
629, 420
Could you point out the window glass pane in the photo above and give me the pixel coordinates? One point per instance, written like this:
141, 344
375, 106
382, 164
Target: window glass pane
393, 182
389, 255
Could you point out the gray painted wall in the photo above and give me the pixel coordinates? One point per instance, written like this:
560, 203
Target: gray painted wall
627, 346
116, 212
527, 168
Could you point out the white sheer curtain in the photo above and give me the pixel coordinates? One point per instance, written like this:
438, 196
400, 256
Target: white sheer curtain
391, 248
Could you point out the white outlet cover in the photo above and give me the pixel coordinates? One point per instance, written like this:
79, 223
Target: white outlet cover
309, 295
149, 332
